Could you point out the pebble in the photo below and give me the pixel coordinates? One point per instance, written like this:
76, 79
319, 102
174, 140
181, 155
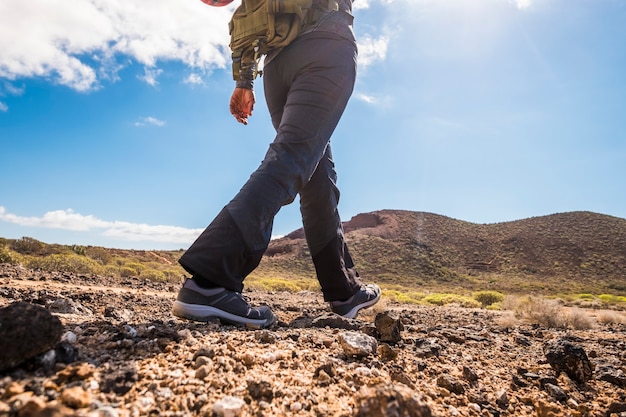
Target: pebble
229, 406
357, 344
76, 397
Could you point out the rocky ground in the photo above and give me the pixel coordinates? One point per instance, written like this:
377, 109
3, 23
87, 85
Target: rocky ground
115, 350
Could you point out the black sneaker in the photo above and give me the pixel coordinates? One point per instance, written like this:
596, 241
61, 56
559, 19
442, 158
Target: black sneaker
200, 304
367, 296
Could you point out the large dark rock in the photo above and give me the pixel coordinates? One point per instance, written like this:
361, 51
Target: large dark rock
564, 356
26, 330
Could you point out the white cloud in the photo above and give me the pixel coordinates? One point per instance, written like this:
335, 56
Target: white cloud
150, 121
69, 220
3, 107
366, 98
361, 4
372, 49
194, 79
12, 89
150, 76
79, 42
523, 4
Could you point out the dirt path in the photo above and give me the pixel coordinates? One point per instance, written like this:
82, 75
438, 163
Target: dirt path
134, 359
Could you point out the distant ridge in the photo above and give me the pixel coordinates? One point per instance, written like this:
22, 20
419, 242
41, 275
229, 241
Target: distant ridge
565, 253
574, 251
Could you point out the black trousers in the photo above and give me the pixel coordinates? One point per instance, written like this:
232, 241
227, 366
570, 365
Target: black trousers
307, 87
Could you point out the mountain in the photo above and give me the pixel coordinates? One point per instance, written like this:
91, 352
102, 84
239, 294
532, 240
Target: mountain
573, 252
564, 253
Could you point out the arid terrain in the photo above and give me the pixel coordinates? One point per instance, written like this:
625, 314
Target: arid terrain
122, 353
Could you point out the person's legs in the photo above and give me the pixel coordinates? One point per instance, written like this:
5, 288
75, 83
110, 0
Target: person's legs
311, 82
334, 268
307, 88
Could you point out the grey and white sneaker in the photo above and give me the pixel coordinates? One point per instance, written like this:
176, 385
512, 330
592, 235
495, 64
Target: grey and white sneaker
367, 296
201, 304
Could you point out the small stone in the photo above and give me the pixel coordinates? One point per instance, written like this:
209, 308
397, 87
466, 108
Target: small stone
261, 390
502, 399
14, 388
357, 344
68, 306
386, 352
390, 400
612, 376
76, 397
451, 384
522, 340
398, 375
555, 391
617, 407
469, 374
474, 406
388, 327
203, 372
229, 406
265, 336
546, 409
106, 411
295, 407
323, 378
120, 314
69, 337
335, 321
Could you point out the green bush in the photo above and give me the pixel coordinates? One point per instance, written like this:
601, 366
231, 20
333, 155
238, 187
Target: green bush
7, 256
28, 246
126, 272
585, 297
611, 299
408, 297
444, 299
131, 269
487, 298
70, 263
154, 275
98, 254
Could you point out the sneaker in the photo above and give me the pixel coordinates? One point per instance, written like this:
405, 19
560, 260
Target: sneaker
367, 296
201, 304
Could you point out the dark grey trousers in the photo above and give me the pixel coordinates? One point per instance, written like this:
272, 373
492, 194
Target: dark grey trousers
307, 87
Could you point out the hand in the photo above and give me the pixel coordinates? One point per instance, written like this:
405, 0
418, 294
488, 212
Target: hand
242, 104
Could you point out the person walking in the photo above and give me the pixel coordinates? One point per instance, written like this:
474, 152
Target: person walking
307, 86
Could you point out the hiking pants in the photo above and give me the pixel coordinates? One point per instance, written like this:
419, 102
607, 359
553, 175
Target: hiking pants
307, 86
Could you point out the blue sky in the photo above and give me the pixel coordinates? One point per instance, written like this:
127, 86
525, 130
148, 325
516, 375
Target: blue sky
115, 130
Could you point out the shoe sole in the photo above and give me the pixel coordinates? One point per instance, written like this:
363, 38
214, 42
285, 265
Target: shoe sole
198, 312
355, 310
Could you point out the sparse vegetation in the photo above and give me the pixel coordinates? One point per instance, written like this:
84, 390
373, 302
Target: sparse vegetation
90, 260
282, 284
418, 258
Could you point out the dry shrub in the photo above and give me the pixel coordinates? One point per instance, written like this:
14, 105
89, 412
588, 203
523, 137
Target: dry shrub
507, 320
551, 314
610, 317
540, 311
578, 319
